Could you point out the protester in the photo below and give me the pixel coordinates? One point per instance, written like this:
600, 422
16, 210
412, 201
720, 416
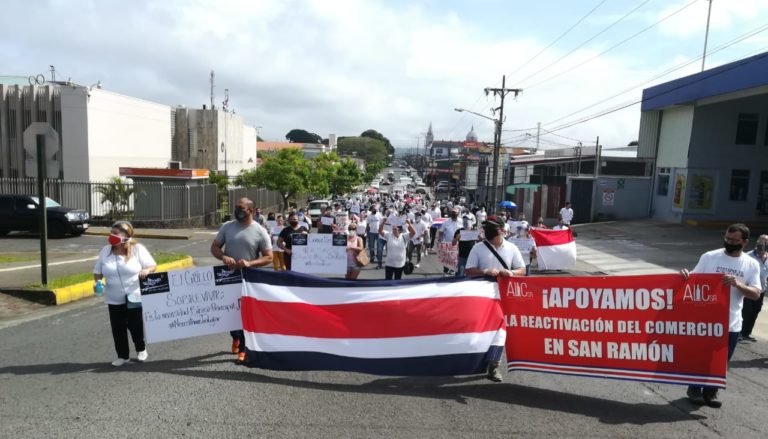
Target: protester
354, 247
326, 221
285, 239
540, 224
481, 215
561, 225
753, 307
465, 246
258, 217
417, 238
566, 213
372, 228
494, 256
742, 275
242, 243
526, 245
397, 242
435, 213
447, 230
278, 255
361, 223
121, 264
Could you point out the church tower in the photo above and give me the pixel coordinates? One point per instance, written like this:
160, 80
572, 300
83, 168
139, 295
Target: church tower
430, 137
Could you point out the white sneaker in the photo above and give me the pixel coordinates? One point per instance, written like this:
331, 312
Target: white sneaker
119, 362
142, 356
416, 266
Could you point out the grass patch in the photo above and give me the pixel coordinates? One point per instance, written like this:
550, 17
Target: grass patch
73, 279
7, 259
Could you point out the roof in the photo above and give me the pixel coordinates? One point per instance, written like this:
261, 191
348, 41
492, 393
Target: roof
739, 75
274, 146
164, 173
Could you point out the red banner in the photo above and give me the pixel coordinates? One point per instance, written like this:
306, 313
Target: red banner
645, 328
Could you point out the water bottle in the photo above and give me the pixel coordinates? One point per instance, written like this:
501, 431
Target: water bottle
99, 287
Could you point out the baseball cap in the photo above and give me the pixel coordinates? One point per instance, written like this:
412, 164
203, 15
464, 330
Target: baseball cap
493, 221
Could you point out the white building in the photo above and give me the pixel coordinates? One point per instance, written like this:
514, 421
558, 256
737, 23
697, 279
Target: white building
99, 131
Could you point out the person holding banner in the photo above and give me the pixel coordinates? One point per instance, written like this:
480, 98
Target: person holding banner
242, 243
495, 256
285, 239
121, 264
397, 243
740, 272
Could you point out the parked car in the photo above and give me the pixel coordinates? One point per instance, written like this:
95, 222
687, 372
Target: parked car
19, 213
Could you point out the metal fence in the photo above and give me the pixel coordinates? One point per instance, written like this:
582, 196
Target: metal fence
264, 199
144, 201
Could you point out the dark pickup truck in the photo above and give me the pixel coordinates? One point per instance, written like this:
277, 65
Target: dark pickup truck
19, 213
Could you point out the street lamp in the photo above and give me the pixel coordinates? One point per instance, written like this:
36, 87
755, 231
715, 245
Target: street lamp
496, 148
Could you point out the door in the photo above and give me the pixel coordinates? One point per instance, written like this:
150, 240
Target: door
581, 200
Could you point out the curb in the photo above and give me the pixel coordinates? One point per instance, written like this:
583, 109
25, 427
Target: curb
83, 290
141, 235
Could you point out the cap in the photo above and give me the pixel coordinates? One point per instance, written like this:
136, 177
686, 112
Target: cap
493, 221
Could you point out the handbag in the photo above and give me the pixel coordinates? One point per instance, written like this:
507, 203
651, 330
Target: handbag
362, 258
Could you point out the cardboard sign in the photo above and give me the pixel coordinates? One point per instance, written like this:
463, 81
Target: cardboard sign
191, 303
448, 255
326, 220
469, 235
320, 254
525, 245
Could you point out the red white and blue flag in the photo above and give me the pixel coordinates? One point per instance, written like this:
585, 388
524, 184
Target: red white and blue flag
555, 249
407, 328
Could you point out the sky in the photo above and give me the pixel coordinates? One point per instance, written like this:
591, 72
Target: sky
345, 66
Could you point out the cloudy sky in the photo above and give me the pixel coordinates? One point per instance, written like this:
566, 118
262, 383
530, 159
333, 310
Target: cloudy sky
344, 66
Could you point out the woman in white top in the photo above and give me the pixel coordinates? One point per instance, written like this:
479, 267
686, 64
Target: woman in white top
397, 244
354, 247
278, 259
120, 265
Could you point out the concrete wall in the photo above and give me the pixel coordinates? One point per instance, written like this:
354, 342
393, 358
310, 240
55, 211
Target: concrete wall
125, 132
249, 147
74, 134
675, 137
613, 200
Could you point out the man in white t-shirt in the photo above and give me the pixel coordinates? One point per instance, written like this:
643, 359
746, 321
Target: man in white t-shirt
742, 274
566, 213
417, 239
447, 230
481, 215
434, 213
483, 262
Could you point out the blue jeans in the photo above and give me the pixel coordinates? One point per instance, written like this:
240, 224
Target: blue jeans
373, 239
461, 267
380, 250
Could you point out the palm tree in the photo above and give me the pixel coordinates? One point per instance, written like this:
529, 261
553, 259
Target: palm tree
118, 194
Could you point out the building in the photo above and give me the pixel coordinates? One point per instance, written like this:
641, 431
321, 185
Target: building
311, 150
213, 139
96, 131
708, 136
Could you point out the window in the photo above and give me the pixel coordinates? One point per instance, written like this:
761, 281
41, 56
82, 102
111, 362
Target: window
739, 185
746, 129
663, 188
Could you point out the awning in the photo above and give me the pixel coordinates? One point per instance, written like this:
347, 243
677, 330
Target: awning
513, 187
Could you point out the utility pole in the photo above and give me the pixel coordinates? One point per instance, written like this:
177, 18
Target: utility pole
538, 134
597, 157
42, 207
706, 36
502, 93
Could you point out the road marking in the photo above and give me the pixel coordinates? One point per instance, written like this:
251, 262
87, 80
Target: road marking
50, 264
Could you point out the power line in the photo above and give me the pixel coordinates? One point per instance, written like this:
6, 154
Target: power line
571, 69
587, 41
559, 37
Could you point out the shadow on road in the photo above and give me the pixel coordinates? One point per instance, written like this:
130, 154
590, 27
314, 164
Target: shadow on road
458, 389
745, 364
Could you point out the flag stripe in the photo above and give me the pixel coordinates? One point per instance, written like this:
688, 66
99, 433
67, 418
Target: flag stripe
424, 346
556, 257
545, 237
373, 320
614, 370
456, 364
362, 293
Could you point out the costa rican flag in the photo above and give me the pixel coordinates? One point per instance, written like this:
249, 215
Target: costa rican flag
555, 249
413, 327
438, 222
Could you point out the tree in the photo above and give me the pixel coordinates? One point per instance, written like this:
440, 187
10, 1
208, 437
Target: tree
222, 183
118, 194
366, 148
286, 171
373, 134
335, 176
302, 136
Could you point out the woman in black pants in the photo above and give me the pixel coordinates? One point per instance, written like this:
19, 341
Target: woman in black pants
397, 244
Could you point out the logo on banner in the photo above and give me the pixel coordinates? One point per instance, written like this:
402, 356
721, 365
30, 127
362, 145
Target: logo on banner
155, 283
697, 293
225, 276
519, 290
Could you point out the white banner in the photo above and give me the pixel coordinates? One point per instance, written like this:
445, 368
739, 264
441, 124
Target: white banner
191, 303
320, 254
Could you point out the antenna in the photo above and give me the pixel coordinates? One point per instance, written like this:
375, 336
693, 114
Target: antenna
53, 73
225, 104
212, 88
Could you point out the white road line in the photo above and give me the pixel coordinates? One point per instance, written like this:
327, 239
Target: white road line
50, 264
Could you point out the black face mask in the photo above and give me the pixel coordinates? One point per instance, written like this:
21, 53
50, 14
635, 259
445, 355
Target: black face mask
240, 214
490, 232
732, 248
294, 223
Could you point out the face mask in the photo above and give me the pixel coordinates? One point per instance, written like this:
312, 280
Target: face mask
240, 214
732, 248
294, 223
491, 232
418, 218
116, 239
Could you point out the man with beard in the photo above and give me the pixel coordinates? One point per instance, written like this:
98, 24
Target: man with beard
742, 275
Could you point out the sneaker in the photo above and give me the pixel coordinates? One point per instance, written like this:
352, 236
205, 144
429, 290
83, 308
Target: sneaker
749, 338
119, 362
695, 395
493, 372
142, 356
710, 398
416, 266
241, 358
235, 346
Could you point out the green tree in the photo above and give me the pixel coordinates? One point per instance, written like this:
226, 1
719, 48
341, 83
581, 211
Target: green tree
118, 194
366, 148
334, 175
286, 171
373, 134
302, 136
222, 184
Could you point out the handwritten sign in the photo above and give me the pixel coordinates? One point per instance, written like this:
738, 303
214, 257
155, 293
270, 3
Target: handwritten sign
448, 255
191, 303
277, 229
326, 220
355, 209
320, 254
469, 235
525, 245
